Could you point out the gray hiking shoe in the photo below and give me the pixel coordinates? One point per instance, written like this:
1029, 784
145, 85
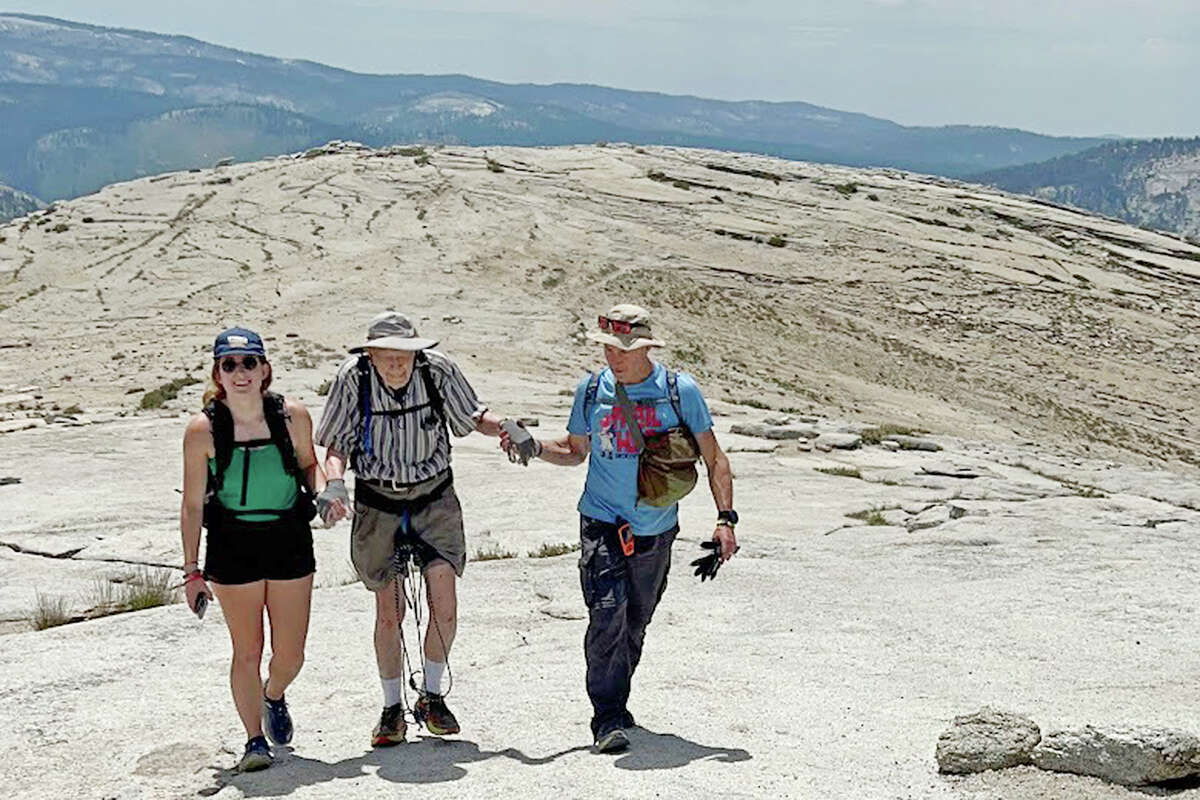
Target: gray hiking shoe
614, 741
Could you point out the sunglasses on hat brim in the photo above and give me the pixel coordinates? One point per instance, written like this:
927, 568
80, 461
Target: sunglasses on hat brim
618, 326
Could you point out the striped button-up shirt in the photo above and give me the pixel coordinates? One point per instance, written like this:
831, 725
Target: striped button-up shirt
406, 448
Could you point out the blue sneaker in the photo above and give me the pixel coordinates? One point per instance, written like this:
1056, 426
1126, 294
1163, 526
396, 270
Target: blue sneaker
257, 756
277, 722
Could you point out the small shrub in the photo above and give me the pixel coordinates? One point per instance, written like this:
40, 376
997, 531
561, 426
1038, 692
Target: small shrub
422, 160
61, 227
846, 189
656, 175
552, 550
681, 185
494, 165
841, 472
147, 587
873, 197
870, 516
777, 241
880, 432
157, 398
410, 151
323, 389
601, 143
421, 213
753, 403
493, 552
49, 612
954, 212
72, 410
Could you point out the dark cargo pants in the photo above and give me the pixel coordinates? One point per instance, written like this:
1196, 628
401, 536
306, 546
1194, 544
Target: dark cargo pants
621, 593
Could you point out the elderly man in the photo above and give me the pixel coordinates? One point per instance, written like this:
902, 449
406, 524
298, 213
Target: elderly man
626, 542
387, 417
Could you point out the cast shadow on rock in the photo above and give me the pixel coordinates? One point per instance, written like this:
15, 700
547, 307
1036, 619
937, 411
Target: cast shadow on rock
428, 759
650, 750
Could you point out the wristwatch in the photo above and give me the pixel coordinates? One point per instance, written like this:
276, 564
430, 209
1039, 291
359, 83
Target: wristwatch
729, 518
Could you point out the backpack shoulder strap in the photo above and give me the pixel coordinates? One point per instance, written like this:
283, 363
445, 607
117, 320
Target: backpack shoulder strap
431, 389
673, 394
276, 415
362, 441
220, 420
589, 398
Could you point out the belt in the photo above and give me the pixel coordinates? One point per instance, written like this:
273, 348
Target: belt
366, 493
396, 486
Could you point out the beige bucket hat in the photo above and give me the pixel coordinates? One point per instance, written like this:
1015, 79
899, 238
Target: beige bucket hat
625, 326
392, 330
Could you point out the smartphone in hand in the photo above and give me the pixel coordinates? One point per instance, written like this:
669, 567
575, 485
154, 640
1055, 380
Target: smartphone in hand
201, 605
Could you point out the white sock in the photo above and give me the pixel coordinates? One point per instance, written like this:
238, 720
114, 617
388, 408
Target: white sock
433, 676
393, 690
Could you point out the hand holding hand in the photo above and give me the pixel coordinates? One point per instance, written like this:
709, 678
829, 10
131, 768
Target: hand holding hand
333, 503
518, 443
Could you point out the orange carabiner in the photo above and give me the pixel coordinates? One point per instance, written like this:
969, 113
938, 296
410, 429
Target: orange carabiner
625, 535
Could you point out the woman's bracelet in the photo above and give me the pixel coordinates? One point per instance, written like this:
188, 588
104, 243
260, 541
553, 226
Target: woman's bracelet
193, 576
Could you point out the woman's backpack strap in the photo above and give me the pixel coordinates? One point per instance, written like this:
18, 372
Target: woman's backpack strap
276, 415
220, 421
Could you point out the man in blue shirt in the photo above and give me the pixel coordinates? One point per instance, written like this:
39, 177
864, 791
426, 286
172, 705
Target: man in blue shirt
623, 584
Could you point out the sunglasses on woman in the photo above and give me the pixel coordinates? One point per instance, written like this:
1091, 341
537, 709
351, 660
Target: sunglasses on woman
615, 325
249, 362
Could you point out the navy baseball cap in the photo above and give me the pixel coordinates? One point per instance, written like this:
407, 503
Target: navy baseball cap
238, 342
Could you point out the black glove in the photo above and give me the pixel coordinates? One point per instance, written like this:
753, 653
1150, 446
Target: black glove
707, 566
522, 447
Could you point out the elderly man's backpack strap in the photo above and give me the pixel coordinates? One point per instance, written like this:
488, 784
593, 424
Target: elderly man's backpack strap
431, 390
362, 438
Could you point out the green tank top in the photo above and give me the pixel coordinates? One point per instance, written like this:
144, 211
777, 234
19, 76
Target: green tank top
255, 481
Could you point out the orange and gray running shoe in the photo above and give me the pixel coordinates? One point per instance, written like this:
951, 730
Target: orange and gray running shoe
431, 712
391, 728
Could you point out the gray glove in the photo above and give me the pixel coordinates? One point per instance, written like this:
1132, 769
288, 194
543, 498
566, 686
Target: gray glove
334, 490
522, 447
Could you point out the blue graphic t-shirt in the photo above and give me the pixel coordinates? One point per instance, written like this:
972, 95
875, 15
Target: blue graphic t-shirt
610, 492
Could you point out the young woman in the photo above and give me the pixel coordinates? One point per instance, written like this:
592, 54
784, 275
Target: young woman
249, 476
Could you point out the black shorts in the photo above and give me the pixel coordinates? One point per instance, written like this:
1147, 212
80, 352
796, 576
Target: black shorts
245, 552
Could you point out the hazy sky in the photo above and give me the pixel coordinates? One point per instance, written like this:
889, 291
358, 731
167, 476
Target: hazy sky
1128, 67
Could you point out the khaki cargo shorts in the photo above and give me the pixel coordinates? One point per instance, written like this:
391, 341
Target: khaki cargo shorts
436, 528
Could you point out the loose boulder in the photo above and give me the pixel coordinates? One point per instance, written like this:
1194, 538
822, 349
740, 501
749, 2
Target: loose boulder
1129, 756
841, 441
914, 443
988, 739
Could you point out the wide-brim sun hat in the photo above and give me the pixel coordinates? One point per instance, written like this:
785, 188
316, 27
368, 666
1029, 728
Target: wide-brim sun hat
636, 321
392, 330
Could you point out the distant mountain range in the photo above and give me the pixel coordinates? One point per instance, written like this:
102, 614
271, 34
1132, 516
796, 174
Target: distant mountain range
82, 106
14, 203
1154, 184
